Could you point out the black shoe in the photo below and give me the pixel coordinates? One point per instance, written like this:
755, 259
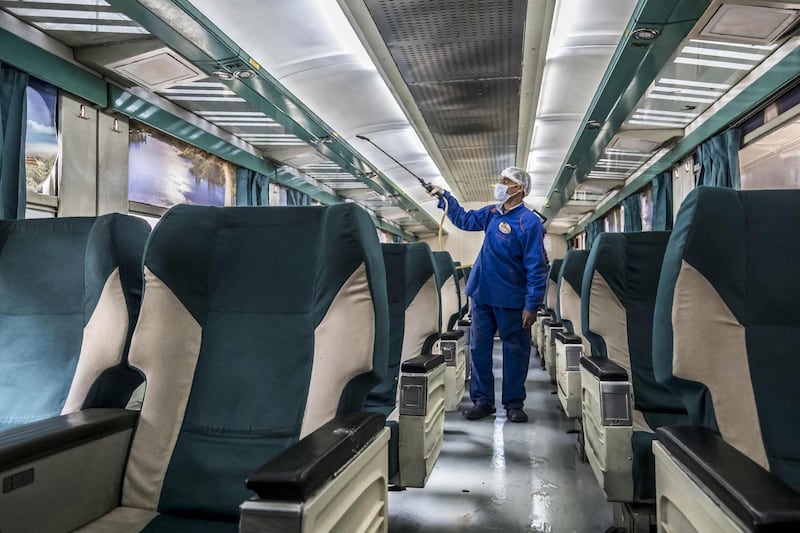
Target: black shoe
516, 415
478, 411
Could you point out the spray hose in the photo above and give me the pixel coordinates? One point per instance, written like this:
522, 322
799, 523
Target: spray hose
441, 223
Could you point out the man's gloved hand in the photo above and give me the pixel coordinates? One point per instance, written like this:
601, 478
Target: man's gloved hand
435, 191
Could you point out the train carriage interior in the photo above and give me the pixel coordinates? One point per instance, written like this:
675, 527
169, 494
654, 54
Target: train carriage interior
236, 295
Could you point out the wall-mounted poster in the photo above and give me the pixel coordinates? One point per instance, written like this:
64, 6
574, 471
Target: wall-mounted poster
41, 138
165, 171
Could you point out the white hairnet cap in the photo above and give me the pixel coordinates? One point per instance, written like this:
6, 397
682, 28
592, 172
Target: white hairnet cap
517, 175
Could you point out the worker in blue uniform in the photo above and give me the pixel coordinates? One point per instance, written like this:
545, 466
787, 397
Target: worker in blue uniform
506, 285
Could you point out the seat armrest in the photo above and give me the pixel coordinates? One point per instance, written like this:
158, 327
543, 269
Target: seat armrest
604, 368
568, 338
294, 474
453, 335
752, 494
422, 364
464, 323
556, 324
23, 444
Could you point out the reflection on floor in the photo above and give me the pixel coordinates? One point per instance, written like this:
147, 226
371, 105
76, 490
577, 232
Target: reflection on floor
493, 475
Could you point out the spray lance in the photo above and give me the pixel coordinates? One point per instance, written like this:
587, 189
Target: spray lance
427, 186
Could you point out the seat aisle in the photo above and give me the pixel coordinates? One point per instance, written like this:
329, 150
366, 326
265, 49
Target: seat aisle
496, 476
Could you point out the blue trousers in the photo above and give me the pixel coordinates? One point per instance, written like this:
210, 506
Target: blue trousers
486, 320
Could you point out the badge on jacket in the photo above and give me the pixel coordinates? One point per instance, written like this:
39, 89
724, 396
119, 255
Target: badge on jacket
505, 228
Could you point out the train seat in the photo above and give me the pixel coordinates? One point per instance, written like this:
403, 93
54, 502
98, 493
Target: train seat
725, 337
261, 332
551, 326
451, 345
569, 344
464, 322
622, 403
546, 317
70, 290
415, 407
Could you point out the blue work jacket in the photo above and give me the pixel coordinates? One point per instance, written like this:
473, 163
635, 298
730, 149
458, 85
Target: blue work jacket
510, 270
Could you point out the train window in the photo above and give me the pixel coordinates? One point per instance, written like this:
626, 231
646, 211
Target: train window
41, 138
32, 212
646, 208
615, 220
164, 171
773, 161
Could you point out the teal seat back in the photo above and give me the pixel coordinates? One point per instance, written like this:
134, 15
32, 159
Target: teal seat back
258, 326
619, 297
448, 288
70, 290
570, 286
414, 314
551, 290
727, 321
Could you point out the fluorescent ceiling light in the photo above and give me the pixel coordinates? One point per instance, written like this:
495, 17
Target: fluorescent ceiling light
653, 123
179, 98
644, 116
270, 135
730, 54
690, 83
616, 151
94, 28
680, 98
234, 113
197, 91
624, 166
248, 120
740, 45
681, 90
66, 14
711, 63
666, 113
248, 124
276, 143
608, 173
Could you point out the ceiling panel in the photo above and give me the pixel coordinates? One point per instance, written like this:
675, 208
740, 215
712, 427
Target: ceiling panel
462, 63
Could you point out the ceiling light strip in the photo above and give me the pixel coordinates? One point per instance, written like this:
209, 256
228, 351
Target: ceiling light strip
647, 111
642, 116
737, 45
711, 63
655, 123
681, 90
690, 83
728, 54
179, 98
209, 92
679, 98
93, 28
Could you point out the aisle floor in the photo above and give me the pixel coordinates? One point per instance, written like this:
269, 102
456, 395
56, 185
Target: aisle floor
493, 475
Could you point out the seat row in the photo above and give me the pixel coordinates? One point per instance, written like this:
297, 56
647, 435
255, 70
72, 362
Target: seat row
287, 368
676, 353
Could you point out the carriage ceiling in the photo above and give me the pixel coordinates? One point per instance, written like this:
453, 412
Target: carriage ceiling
455, 90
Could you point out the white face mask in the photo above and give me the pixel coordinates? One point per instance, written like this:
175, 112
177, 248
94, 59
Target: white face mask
501, 192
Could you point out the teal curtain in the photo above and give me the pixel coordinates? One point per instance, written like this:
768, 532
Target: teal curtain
633, 213
662, 202
13, 122
252, 188
294, 197
718, 161
593, 229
